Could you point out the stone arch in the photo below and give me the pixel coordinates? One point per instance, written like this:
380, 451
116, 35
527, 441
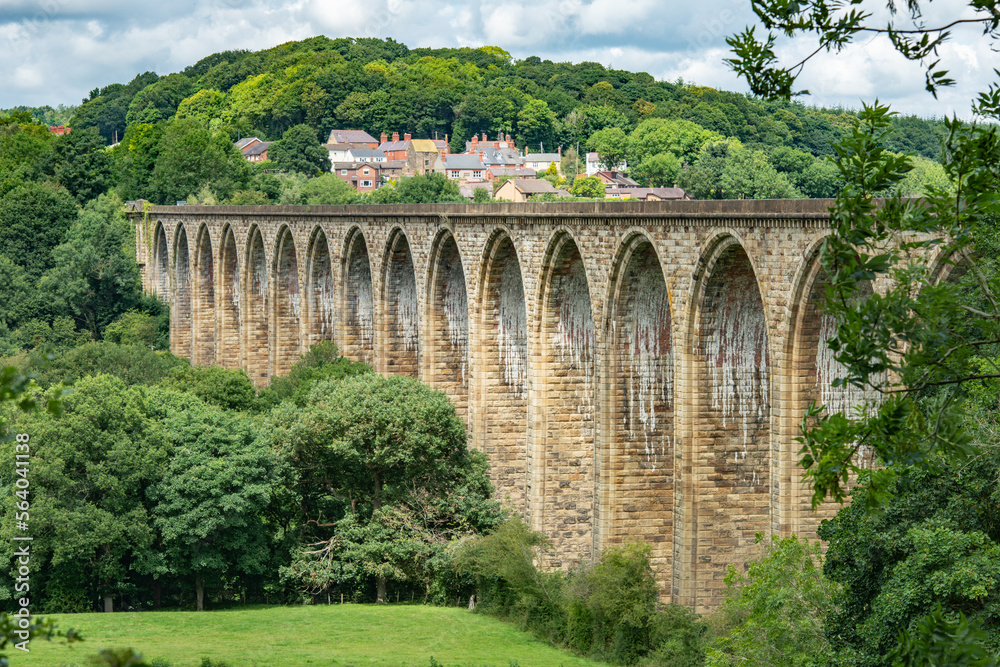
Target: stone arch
730, 401
636, 461
447, 317
229, 313
564, 443
161, 264
400, 341
287, 316
256, 303
180, 331
502, 375
321, 304
359, 306
203, 320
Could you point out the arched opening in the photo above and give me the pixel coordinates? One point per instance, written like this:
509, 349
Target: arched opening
502, 376
322, 298
161, 264
359, 307
287, 305
448, 318
229, 303
401, 320
204, 301
731, 459
637, 463
255, 314
564, 440
180, 324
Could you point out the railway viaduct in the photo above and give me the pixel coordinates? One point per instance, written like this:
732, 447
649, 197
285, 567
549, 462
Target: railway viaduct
633, 370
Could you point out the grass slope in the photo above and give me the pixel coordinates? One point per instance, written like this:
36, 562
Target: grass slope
359, 635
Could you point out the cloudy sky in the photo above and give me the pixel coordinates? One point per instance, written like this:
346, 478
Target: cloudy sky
55, 51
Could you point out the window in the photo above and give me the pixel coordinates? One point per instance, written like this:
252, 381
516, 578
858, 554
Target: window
343, 172
366, 184
477, 174
366, 171
456, 174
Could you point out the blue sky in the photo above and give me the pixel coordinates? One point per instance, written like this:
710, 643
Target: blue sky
56, 51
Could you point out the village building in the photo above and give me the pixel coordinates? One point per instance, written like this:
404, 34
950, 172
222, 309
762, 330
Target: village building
368, 176
646, 194
521, 189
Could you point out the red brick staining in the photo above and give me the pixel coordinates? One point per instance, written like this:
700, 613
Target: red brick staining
631, 369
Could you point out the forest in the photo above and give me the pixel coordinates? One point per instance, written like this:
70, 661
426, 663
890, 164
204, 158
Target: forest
158, 484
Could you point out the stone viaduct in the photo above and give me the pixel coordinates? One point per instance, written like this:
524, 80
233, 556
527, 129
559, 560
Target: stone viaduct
633, 370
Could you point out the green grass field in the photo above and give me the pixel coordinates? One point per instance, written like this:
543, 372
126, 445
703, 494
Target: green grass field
340, 635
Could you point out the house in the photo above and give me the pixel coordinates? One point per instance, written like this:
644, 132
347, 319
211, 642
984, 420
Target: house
395, 149
594, 164
646, 194
476, 145
614, 179
463, 168
422, 157
520, 189
367, 176
366, 155
253, 149
59, 129
541, 161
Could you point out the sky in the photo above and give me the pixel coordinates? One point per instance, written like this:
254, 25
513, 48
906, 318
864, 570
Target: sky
55, 51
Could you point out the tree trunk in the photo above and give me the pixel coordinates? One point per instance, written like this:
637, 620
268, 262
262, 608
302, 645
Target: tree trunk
157, 587
109, 604
199, 585
380, 595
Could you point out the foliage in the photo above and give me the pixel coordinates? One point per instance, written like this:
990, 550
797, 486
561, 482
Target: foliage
33, 218
225, 388
916, 344
322, 362
208, 507
327, 188
190, 156
133, 364
79, 162
428, 188
775, 613
93, 277
384, 479
749, 175
299, 150
587, 186
611, 145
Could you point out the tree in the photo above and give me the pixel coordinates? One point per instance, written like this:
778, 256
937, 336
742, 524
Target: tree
93, 279
428, 189
749, 175
327, 188
385, 480
611, 145
587, 186
756, 61
33, 219
657, 170
189, 157
91, 469
299, 150
80, 164
535, 124
208, 507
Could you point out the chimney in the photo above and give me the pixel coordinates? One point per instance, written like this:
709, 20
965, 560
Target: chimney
395, 136
447, 146
484, 137
559, 151
475, 140
383, 139
407, 136
507, 138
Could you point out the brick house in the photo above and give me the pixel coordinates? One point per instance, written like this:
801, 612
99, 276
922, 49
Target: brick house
367, 176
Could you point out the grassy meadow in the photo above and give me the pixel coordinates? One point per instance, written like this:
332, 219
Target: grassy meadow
400, 635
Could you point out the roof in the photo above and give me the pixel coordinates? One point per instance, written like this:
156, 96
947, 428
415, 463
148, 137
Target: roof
393, 146
533, 186
619, 179
358, 164
469, 189
351, 137
243, 143
592, 157
510, 170
423, 146
643, 193
462, 161
542, 157
258, 148
362, 153
337, 147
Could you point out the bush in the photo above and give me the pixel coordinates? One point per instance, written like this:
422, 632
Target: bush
135, 364
321, 362
227, 388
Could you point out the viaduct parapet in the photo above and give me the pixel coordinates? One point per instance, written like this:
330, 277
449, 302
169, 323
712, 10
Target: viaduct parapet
633, 370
